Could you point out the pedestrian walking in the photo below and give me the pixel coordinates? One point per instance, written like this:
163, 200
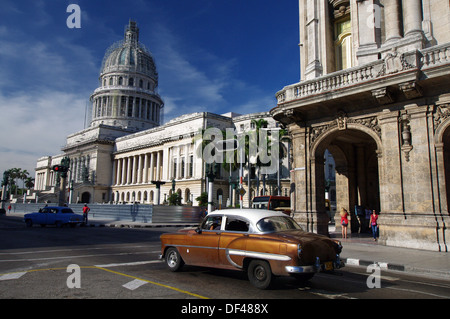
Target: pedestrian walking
374, 224
344, 221
86, 210
9, 209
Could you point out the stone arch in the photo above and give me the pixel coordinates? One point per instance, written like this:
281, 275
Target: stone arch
442, 149
329, 133
355, 150
187, 195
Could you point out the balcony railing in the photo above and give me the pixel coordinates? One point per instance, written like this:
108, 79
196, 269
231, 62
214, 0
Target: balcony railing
393, 63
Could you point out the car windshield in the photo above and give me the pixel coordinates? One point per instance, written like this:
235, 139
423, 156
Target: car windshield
276, 224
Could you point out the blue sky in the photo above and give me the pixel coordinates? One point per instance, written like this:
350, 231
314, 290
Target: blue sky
211, 55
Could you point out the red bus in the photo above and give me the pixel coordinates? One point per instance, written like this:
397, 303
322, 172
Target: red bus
278, 203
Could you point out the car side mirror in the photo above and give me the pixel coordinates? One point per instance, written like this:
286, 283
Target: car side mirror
198, 230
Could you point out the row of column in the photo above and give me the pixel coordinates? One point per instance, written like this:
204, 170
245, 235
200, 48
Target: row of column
77, 165
126, 106
410, 15
139, 169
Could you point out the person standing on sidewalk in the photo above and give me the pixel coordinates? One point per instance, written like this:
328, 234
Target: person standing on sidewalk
344, 222
86, 210
374, 224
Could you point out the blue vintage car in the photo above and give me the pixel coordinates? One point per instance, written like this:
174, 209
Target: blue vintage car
55, 215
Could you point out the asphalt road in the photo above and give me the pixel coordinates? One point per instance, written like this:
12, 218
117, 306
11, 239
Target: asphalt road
122, 263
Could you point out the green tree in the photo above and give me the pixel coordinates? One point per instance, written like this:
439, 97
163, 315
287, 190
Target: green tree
202, 199
174, 199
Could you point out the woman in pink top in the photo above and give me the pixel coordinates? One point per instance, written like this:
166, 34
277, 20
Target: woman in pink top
344, 222
374, 224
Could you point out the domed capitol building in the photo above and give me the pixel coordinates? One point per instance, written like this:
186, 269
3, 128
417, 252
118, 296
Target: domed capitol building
126, 151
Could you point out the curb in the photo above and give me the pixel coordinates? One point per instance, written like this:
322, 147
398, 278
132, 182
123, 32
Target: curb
445, 274
366, 263
126, 225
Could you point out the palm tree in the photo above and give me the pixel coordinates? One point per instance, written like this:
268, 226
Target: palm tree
23, 175
29, 182
14, 174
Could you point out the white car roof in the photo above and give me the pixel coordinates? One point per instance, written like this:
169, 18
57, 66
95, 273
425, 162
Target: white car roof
253, 215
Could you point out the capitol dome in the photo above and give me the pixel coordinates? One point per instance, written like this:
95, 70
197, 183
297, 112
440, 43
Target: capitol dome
127, 96
129, 55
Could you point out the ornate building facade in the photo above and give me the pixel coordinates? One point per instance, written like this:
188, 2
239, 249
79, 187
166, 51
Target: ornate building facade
127, 156
374, 92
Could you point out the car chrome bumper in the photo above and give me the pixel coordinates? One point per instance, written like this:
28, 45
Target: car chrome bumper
317, 267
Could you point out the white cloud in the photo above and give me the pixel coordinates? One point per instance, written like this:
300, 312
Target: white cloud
42, 96
35, 125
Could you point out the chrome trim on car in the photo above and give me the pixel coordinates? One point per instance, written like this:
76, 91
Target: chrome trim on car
300, 269
258, 255
316, 267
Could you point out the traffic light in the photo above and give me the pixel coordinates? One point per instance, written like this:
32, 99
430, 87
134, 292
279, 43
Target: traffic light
60, 168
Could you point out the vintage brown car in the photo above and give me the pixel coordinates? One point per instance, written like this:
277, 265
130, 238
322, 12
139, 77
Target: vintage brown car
263, 243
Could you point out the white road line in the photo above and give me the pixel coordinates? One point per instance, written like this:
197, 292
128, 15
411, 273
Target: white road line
14, 275
129, 264
75, 256
71, 249
132, 285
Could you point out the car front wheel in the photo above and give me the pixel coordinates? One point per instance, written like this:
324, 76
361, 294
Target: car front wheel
173, 259
260, 274
29, 223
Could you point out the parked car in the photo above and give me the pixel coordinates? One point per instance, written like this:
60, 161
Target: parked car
55, 215
261, 242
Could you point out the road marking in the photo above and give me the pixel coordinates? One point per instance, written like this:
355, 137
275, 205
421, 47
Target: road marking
71, 249
14, 275
132, 285
419, 292
129, 264
74, 256
155, 283
331, 295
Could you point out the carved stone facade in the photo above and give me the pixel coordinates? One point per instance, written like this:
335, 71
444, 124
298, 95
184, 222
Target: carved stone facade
385, 118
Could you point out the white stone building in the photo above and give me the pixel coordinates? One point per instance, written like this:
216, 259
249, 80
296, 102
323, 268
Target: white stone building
125, 152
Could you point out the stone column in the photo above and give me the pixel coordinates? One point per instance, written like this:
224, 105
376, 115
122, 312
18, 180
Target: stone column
133, 178
412, 16
118, 169
158, 167
361, 175
392, 20
129, 160
145, 169
367, 24
152, 164
310, 39
123, 180
139, 171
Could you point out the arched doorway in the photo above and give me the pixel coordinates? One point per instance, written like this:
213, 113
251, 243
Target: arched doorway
446, 159
86, 197
356, 174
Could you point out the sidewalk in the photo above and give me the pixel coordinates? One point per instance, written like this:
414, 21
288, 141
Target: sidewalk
358, 250
361, 250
